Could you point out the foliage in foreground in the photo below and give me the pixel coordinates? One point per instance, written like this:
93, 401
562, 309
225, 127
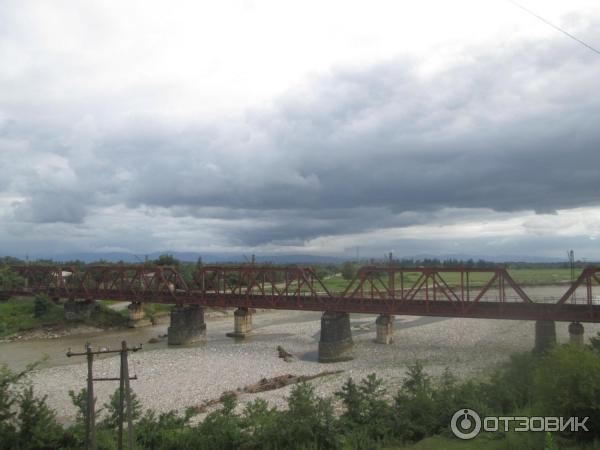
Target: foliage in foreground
565, 382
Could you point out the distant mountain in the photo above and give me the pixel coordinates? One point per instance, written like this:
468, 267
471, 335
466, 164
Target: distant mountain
229, 257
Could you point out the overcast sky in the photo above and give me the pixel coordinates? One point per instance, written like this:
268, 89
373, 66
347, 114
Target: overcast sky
462, 127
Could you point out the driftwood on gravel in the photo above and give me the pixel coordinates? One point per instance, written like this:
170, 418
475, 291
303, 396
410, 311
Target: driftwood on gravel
287, 357
267, 384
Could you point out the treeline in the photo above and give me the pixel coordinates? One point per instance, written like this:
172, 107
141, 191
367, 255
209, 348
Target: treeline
361, 415
326, 268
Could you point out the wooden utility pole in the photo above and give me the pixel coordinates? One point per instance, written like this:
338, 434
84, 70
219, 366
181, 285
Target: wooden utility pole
90, 420
124, 395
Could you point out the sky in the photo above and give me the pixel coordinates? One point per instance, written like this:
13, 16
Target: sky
278, 127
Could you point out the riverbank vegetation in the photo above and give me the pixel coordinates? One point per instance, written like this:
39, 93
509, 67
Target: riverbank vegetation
23, 314
18, 315
361, 415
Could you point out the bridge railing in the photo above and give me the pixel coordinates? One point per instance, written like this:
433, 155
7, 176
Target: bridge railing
388, 284
135, 283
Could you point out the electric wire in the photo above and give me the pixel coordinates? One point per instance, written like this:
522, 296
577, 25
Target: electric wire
555, 26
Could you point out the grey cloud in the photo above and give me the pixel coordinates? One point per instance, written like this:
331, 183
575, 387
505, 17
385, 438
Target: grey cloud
513, 128
50, 207
474, 136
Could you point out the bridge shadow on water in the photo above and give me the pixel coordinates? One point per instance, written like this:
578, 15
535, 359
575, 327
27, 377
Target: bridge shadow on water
312, 356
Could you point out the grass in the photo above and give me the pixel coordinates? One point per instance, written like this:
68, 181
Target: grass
17, 315
485, 441
108, 302
447, 443
524, 277
154, 310
496, 441
542, 276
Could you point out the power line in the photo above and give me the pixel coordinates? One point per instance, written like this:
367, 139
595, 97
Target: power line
554, 26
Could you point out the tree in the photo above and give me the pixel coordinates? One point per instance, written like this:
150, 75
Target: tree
348, 270
167, 260
595, 342
42, 305
112, 408
38, 428
309, 421
220, 429
415, 408
26, 422
567, 383
352, 399
9, 280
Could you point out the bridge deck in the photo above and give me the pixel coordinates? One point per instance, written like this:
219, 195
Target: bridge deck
447, 292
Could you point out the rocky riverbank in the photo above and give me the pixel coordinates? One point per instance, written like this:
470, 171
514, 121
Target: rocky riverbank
176, 378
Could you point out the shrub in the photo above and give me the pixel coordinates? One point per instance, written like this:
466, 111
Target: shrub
26, 422
41, 306
567, 383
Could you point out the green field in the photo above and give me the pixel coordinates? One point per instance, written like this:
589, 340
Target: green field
524, 277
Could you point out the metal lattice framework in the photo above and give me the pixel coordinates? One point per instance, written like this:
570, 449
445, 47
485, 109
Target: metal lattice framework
448, 292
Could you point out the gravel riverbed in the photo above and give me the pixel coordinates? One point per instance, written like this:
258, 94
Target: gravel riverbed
179, 377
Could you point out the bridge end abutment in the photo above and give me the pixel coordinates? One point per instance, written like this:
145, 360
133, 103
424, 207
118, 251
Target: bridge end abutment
385, 329
137, 316
187, 325
576, 333
242, 323
76, 310
336, 337
545, 335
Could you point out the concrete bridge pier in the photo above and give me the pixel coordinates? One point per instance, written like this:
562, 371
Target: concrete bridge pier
79, 309
576, 333
242, 323
545, 335
137, 316
187, 325
336, 338
385, 329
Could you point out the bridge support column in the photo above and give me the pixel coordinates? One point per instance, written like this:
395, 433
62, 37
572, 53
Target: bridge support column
137, 316
79, 309
187, 325
242, 323
385, 329
545, 335
576, 333
336, 338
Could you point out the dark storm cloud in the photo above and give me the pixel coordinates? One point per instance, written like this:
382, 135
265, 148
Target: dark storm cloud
508, 129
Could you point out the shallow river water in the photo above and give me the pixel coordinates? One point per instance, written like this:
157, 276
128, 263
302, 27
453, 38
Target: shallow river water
52, 352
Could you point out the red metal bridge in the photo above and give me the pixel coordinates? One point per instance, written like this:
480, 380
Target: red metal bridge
447, 292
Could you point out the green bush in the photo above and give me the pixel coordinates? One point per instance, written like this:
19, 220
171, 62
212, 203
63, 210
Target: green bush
366, 410
567, 383
9, 280
563, 383
26, 422
348, 270
41, 306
